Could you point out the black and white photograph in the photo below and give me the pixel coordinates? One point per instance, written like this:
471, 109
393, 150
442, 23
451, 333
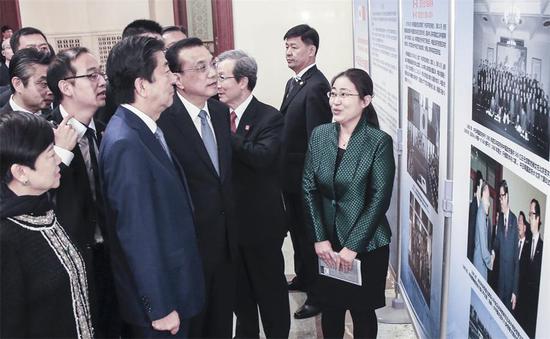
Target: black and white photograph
482, 324
423, 144
505, 236
420, 246
511, 72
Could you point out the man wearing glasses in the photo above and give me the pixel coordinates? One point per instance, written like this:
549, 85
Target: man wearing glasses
506, 249
305, 106
78, 84
197, 131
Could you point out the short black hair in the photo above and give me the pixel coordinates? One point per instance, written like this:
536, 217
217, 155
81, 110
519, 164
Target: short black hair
61, 67
132, 58
504, 186
23, 137
537, 210
22, 61
478, 179
142, 26
174, 50
174, 29
5, 28
308, 35
14, 41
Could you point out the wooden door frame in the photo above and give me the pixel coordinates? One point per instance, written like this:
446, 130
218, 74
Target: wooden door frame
222, 20
10, 14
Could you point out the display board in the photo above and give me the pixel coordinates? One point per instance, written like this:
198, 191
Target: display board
384, 60
424, 76
361, 34
498, 278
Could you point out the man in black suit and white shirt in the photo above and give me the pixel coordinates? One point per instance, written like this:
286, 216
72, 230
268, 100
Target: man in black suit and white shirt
256, 139
305, 106
78, 84
197, 131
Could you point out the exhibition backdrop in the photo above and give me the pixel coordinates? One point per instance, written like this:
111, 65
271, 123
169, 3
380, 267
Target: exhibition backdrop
484, 91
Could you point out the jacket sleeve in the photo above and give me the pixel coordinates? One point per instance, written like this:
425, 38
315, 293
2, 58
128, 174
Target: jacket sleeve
261, 151
378, 197
129, 188
481, 237
312, 197
12, 299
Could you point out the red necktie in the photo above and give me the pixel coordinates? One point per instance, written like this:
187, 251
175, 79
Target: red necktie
233, 122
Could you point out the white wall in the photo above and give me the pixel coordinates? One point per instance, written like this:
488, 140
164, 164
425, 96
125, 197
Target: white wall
68, 17
259, 27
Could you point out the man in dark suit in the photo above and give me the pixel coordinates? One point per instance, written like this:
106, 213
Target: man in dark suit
256, 139
7, 54
28, 82
26, 37
529, 291
524, 243
77, 82
150, 226
305, 106
197, 130
474, 203
506, 246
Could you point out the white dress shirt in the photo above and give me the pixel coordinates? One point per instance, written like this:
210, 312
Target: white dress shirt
239, 111
194, 114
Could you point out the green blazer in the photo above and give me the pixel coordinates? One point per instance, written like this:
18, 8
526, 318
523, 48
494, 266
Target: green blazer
355, 200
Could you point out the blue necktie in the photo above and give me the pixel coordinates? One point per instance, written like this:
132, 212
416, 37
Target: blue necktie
160, 137
209, 140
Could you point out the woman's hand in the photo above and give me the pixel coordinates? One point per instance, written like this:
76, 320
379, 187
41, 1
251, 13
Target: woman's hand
325, 253
346, 259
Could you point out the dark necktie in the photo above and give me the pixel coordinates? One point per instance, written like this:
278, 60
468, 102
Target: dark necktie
233, 117
92, 142
209, 141
292, 83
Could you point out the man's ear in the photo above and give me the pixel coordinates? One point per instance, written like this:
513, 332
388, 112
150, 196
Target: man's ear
139, 87
65, 88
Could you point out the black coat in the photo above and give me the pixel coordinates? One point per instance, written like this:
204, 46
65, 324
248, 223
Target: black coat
256, 149
304, 108
211, 194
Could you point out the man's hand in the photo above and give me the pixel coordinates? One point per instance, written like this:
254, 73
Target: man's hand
346, 259
513, 300
324, 251
65, 135
169, 323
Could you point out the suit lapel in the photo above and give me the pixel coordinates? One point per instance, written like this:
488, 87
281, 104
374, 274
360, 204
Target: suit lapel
329, 159
352, 156
147, 137
183, 122
248, 118
297, 88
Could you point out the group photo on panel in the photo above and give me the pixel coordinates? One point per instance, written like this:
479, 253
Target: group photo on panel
149, 196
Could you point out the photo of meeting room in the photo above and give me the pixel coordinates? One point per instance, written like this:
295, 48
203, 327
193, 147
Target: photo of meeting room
505, 236
423, 117
481, 324
420, 247
511, 72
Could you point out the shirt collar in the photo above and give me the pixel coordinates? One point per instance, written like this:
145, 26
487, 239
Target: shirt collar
302, 72
192, 109
151, 124
16, 107
536, 237
239, 110
79, 127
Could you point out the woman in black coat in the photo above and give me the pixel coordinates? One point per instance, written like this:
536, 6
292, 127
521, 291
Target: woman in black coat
43, 286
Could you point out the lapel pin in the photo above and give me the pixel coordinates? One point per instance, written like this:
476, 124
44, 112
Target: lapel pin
246, 127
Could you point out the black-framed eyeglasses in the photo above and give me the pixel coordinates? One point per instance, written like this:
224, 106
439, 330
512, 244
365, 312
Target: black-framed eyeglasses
94, 76
342, 95
222, 78
202, 68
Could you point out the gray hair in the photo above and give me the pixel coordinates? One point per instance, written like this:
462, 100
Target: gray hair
245, 66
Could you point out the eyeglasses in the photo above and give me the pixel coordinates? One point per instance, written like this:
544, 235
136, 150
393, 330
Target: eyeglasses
94, 76
502, 195
342, 95
202, 68
222, 78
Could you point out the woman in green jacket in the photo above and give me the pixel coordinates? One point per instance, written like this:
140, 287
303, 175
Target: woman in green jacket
347, 184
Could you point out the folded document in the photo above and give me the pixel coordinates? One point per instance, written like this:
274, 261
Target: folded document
352, 277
